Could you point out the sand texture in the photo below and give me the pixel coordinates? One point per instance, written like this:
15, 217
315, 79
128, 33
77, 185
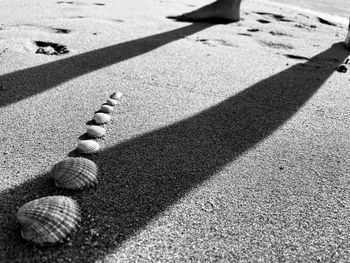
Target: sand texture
230, 144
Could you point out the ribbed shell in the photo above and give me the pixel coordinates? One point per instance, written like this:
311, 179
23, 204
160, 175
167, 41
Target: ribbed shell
106, 108
101, 118
88, 146
48, 220
116, 95
111, 102
74, 173
96, 131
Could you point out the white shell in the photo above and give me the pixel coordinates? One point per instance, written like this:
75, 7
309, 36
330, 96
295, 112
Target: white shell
111, 102
101, 118
106, 108
74, 173
116, 95
88, 146
96, 131
48, 220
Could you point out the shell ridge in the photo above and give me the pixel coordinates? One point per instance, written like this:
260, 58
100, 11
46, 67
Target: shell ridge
76, 174
48, 219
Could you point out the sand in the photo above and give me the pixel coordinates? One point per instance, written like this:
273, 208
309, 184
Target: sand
231, 142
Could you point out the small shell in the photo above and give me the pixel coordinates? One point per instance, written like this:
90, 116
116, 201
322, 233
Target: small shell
106, 108
96, 131
116, 95
101, 118
111, 102
48, 220
74, 173
88, 146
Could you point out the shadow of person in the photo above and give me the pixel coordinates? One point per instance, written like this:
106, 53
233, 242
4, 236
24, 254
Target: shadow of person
31, 81
154, 170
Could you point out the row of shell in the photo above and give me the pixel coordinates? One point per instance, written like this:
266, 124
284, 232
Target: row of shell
95, 131
51, 219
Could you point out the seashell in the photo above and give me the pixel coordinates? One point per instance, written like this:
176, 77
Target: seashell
96, 131
101, 118
111, 102
88, 146
74, 173
116, 95
106, 108
48, 220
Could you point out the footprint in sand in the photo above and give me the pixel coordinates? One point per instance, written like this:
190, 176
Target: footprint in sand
306, 26
78, 3
117, 20
65, 2
253, 29
245, 34
263, 21
216, 42
49, 48
279, 33
274, 16
39, 27
303, 15
249, 30
71, 3
326, 22
276, 45
77, 17
60, 30
296, 57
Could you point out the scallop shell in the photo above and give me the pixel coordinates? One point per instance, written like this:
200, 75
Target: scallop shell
48, 220
74, 173
96, 131
111, 102
101, 118
106, 108
88, 146
116, 95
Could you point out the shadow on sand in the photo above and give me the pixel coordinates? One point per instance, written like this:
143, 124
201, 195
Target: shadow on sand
156, 169
28, 82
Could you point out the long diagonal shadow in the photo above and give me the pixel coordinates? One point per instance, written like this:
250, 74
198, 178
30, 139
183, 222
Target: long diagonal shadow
156, 169
31, 81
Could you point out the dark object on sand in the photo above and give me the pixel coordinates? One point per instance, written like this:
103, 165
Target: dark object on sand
326, 22
296, 57
48, 48
344, 66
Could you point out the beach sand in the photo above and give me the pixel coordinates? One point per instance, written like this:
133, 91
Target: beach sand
231, 142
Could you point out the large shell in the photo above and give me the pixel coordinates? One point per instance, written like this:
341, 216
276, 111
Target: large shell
96, 131
116, 95
106, 108
74, 173
101, 118
88, 146
48, 220
111, 102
